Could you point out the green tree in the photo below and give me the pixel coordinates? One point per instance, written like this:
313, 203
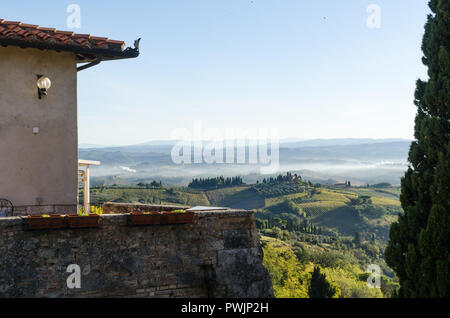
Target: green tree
319, 286
419, 244
277, 232
357, 238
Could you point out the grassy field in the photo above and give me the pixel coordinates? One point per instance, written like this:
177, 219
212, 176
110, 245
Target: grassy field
242, 197
320, 208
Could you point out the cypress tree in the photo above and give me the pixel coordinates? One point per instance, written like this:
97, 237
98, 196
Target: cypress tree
319, 286
418, 249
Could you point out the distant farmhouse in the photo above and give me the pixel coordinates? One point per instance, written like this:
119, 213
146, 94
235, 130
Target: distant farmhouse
346, 184
38, 113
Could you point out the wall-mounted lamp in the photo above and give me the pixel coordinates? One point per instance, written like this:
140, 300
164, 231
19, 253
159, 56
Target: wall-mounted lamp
43, 84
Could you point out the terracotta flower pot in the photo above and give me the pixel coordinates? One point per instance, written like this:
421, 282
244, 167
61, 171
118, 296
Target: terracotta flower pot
140, 218
169, 218
178, 218
82, 222
37, 222
186, 217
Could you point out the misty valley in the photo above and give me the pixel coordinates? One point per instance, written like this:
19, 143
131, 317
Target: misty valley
330, 206
363, 161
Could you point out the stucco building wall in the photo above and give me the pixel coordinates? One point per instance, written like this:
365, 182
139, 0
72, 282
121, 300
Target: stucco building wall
38, 173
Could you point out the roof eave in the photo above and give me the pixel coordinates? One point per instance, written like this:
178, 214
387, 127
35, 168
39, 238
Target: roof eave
87, 53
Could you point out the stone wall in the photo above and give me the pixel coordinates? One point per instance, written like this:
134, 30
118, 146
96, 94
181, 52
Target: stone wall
218, 255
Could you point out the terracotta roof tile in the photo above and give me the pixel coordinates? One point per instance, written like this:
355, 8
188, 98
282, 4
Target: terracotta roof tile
34, 26
31, 33
64, 32
77, 35
115, 42
46, 29
97, 38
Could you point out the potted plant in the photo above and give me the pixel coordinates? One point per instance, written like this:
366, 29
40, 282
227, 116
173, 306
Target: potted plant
178, 217
84, 220
45, 221
144, 218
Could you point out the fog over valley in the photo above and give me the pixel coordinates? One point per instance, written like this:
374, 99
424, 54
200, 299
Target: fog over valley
362, 161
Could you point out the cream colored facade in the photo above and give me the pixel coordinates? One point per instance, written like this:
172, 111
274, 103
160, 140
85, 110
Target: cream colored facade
38, 172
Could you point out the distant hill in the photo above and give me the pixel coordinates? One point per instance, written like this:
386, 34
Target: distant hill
91, 146
287, 142
338, 142
360, 160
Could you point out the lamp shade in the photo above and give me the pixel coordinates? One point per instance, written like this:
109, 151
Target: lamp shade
44, 83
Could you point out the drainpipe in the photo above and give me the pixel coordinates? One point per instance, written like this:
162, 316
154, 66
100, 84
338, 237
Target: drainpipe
85, 66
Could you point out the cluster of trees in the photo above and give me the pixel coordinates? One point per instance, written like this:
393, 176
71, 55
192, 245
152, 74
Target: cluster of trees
267, 190
300, 272
283, 185
313, 238
288, 225
289, 177
381, 185
214, 183
288, 275
152, 185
